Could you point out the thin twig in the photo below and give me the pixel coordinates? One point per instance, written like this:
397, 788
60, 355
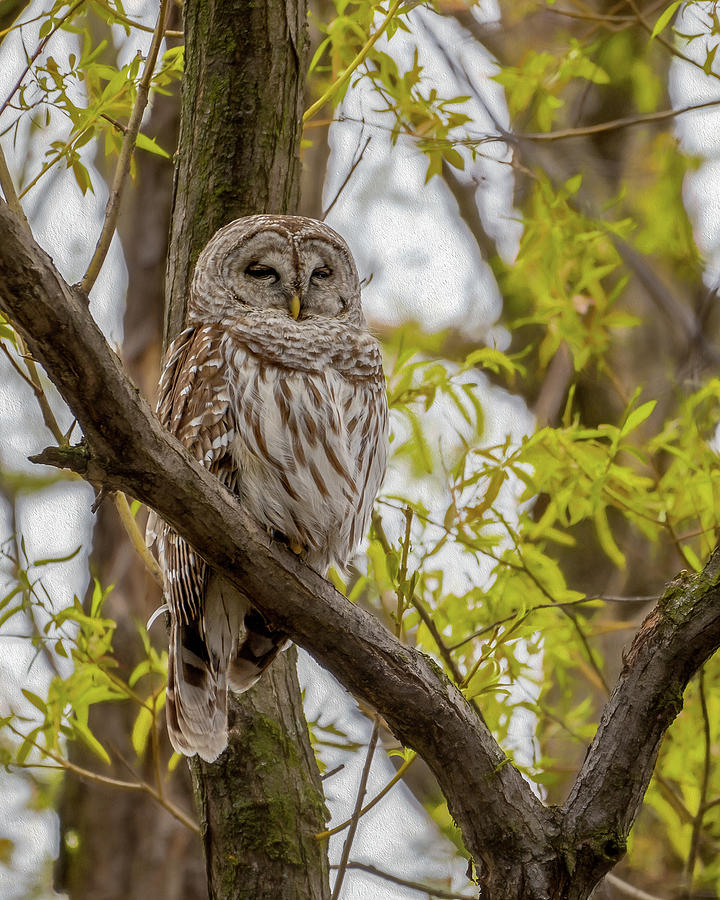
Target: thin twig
565, 609
136, 537
13, 362
402, 573
357, 61
418, 604
362, 787
540, 606
628, 890
611, 125
375, 800
347, 178
666, 43
508, 137
112, 208
437, 637
590, 17
32, 378
131, 23
9, 192
112, 782
438, 893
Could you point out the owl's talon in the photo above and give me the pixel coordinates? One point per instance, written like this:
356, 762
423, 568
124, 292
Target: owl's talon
297, 548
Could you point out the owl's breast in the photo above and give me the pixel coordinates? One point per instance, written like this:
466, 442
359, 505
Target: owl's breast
310, 449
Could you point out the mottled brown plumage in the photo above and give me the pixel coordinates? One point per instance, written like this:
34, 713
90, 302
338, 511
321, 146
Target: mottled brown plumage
277, 388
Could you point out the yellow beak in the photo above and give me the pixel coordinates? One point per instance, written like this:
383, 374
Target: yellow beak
295, 307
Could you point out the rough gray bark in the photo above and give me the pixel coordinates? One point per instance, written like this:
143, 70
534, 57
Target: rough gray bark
523, 850
261, 803
240, 132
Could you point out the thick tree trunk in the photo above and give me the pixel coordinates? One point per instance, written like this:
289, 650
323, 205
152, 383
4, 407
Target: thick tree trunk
241, 124
261, 803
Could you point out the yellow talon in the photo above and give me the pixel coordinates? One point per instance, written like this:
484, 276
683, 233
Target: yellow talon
297, 548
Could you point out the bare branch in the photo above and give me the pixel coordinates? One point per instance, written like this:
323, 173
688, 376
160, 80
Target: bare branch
439, 893
357, 811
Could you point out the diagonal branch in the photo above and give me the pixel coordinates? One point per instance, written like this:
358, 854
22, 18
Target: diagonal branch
522, 849
673, 642
126, 449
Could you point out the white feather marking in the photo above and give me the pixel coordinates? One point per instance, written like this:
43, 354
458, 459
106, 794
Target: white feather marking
156, 615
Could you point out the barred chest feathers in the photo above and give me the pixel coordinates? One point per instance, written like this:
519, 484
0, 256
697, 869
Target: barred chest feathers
309, 442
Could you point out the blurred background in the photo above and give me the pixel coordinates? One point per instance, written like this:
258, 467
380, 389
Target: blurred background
534, 213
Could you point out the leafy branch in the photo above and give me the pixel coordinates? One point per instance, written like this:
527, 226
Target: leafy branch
112, 208
347, 73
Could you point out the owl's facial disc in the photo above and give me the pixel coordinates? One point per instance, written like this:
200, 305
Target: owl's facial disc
303, 278
328, 281
260, 272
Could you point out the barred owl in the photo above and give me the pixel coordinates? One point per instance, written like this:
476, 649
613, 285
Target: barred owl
276, 386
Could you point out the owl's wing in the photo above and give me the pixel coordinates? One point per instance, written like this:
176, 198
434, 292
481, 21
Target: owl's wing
194, 405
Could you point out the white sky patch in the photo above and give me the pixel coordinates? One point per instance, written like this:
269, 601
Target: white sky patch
406, 234
699, 134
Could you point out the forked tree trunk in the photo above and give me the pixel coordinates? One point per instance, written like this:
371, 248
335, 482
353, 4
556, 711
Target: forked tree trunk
261, 803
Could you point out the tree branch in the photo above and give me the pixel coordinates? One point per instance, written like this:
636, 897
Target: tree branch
522, 849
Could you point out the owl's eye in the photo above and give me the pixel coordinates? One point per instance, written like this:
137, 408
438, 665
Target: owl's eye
322, 272
258, 270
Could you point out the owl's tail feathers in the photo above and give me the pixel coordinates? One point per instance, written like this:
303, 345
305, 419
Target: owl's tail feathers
198, 659
256, 649
196, 703
233, 645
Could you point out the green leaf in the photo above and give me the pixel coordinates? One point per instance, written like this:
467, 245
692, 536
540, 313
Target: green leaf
638, 416
141, 730
26, 746
606, 539
45, 561
88, 738
150, 144
36, 701
692, 557
664, 19
453, 157
572, 185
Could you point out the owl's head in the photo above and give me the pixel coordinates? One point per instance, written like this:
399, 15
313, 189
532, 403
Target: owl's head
286, 264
